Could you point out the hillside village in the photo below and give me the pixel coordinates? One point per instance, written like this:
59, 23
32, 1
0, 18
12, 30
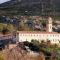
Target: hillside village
27, 23
30, 30
34, 48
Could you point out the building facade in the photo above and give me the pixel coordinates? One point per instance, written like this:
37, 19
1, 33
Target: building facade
54, 37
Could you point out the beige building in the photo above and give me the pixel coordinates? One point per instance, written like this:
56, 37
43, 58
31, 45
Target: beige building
54, 37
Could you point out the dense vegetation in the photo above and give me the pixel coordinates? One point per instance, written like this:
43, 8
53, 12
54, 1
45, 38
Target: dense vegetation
37, 50
4, 28
51, 51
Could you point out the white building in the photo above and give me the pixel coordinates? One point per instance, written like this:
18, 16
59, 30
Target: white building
54, 37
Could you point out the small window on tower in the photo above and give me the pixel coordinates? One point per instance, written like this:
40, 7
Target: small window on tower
50, 27
53, 40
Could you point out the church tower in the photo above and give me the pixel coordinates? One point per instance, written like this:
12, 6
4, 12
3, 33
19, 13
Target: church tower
49, 25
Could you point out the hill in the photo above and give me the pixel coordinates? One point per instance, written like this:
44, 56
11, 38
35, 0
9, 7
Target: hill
31, 7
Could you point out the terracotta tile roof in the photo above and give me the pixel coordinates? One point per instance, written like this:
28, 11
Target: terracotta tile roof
4, 37
37, 32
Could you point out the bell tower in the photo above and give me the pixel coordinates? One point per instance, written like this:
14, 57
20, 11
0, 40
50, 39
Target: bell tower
49, 25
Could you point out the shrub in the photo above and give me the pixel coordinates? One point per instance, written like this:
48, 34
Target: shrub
1, 58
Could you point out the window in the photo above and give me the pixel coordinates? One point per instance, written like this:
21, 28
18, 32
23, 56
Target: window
23, 34
58, 39
34, 34
58, 35
50, 27
47, 35
53, 35
26, 39
53, 40
50, 35
43, 35
37, 35
31, 34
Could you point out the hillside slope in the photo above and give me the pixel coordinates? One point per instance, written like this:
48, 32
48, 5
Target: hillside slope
34, 7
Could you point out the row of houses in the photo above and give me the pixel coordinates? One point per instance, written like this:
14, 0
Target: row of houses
5, 40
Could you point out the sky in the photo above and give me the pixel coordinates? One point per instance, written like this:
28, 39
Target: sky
2, 1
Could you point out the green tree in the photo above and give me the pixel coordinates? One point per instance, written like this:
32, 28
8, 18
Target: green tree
5, 31
35, 42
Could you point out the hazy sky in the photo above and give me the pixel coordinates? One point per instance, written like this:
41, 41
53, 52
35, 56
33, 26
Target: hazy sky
2, 1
